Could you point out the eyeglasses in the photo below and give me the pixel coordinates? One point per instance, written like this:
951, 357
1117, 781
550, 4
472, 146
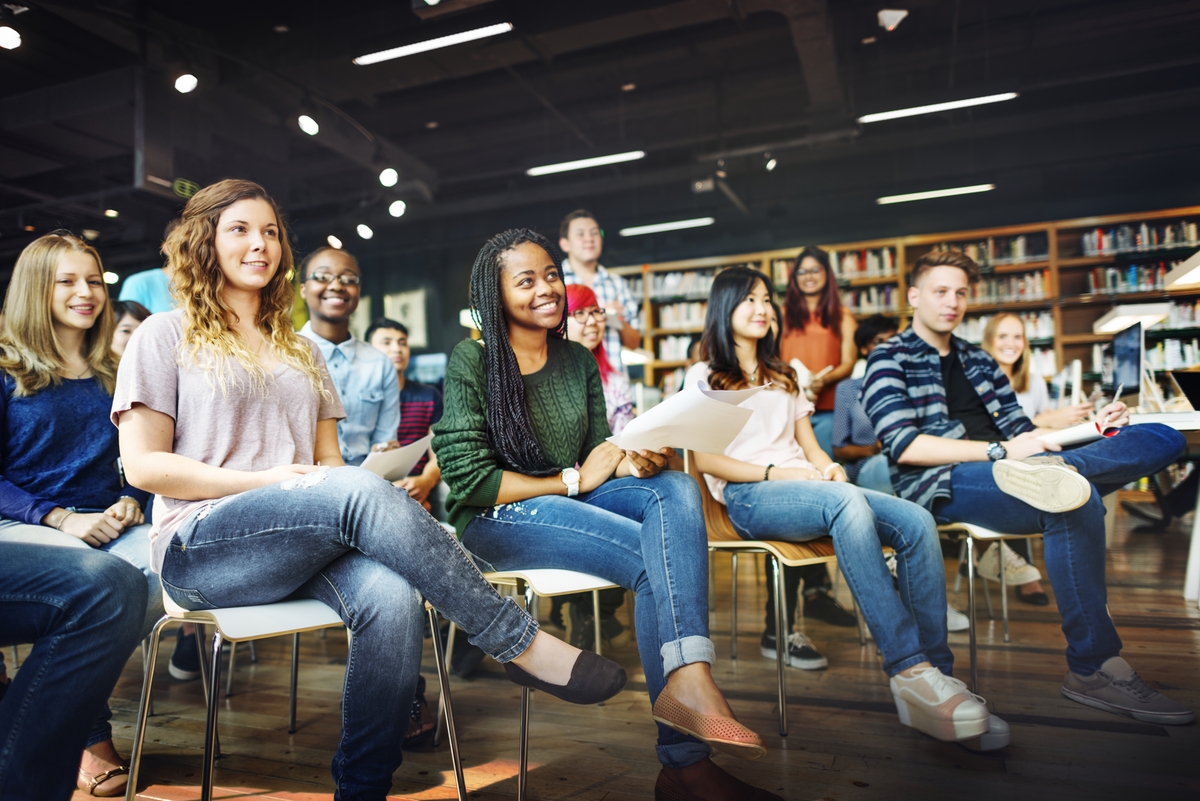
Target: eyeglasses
581, 315
809, 271
327, 278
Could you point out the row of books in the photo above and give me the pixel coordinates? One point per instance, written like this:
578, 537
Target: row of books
1009, 288
689, 283
1042, 362
672, 382
996, 250
682, 315
1183, 314
1173, 354
673, 348
851, 264
872, 299
1128, 278
1038, 325
1145, 236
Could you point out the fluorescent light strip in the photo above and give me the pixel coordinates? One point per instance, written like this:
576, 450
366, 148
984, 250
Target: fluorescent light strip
434, 44
936, 107
657, 228
583, 164
958, 190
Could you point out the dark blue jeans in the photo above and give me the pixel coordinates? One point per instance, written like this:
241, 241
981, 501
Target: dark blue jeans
647, 535
368, 551
1074, 541
82, 609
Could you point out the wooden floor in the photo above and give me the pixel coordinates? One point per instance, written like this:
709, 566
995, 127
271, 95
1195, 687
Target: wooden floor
845, 743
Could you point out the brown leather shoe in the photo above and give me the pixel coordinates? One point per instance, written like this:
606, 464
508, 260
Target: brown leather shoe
704, 781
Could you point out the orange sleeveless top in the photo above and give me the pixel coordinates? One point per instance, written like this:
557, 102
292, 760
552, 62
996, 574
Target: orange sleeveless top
817, 347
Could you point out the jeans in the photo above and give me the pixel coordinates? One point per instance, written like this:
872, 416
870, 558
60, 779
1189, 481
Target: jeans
873, 474
909, 628
134, 547
1073, 542
83, 611
822, 426
646, 535
367, 550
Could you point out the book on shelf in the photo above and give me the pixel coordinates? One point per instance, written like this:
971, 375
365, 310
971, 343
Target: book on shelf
1001, 250
690, 282
682, 315
850, 264
1142, 237
1128, 278
872, 299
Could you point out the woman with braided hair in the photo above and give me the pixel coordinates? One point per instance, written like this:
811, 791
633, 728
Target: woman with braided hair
524, 425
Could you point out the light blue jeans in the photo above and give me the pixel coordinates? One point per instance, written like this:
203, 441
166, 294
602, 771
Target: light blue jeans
909, 628
133, 546
874, 474
647, 535
822, 426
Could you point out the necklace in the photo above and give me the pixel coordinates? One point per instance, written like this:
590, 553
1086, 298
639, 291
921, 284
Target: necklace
86, 369
753, 376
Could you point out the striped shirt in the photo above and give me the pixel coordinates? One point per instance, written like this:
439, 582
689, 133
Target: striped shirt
904, 397
610, 289
420, 407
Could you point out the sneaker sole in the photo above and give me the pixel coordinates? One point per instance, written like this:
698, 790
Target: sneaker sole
795, 661
1164, 718
1049, 488
180, 674
949, 731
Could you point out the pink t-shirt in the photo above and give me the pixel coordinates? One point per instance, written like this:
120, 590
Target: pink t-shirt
245, 428
769, 437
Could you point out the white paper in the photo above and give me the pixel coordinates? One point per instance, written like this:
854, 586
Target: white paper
1077, 435
696, 418
398, 463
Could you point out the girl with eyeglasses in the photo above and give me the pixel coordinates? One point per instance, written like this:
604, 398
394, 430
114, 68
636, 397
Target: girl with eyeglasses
586, 322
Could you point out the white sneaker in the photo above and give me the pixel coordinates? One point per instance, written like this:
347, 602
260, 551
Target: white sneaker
956, 620
1044, 481
939, 705
1016, 570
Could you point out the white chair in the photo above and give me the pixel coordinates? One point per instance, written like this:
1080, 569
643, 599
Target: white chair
971, 534
533, 584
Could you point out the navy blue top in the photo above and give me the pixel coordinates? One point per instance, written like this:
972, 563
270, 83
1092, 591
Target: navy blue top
59, 449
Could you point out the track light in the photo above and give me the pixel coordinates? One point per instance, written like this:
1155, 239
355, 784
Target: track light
9, 38
656, 228
958, 190
397, 208
365, 231
771, 163
583, 164
389, 177
111, 278
889, 18
111, 213
186, 83
433, 44
308, 125
936, 107
334, 242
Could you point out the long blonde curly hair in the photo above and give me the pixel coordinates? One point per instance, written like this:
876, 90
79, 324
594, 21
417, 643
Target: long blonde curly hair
209, 340
30, 350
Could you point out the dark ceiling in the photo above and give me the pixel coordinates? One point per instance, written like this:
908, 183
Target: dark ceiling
1107, 120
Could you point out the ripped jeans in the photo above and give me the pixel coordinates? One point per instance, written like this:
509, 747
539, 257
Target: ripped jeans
369, 551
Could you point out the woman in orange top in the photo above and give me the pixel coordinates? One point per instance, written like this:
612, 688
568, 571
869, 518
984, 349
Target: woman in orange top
818, 331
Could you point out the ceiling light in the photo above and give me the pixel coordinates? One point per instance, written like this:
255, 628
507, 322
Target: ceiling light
111, 278
389, 177
1186, 273
364, 231
334, 242
433, 44
90, 234
628, 87
583, 164
936, 107
432, 2
869, 40
431, 125
397, 208
889, 18
186, 83
678, 225
308, 125
111, 213
281, 29
958, 190
771, 164
1118, 318
9, 38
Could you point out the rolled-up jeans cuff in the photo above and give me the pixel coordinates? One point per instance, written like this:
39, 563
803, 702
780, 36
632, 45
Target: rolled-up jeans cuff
681, 755
510, 623
685, 651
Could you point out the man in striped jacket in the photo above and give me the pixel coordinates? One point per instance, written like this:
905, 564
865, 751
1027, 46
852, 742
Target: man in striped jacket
959, 445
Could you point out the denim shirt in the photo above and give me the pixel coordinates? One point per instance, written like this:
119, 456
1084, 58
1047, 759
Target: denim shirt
366, 382
904, 397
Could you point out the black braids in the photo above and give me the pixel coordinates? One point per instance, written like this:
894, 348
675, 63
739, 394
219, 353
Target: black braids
509, 427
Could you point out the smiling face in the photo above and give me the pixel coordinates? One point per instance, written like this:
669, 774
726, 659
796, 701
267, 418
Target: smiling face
588, 331
247, 245
394, 343
939, 299
329, 299
751, 318
124, 330
583, 241
531, 288
1009, 342
810, 276
79, 294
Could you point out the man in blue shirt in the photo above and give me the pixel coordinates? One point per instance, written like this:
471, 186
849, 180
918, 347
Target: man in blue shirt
364, 377
960, 446
151, 288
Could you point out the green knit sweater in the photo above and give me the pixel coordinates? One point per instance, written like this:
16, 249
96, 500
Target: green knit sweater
566, 405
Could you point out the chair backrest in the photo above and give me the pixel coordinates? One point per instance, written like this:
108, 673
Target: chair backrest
720, 529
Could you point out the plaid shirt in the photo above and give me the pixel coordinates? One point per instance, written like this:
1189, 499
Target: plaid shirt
610, 288
904, 397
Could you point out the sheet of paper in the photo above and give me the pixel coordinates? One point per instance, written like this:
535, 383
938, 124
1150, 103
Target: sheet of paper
697, 418
1077, 435
396, 464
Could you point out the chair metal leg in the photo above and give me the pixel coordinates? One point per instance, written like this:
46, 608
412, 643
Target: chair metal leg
254, 653
146, 668
232, 667
962, 557
449, 651
596, 618
522, 775
858, 621
782, 657
971, 611
295, 678
733, 605
444, 707
1003, 591
210, 726
139, 730
16, 658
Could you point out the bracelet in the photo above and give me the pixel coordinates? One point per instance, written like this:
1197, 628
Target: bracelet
829, 469
62, 520
767, 474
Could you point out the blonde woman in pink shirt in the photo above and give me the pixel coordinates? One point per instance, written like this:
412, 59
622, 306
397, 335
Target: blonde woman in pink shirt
776, 483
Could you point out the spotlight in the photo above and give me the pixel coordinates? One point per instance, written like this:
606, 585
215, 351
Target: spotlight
111, 278
334, 242
186, 83
308, 125
889, 18
771, 162
110, 213
389, 177
397, 208
365, 231
9, 38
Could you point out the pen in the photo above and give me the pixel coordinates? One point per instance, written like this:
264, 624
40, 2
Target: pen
1116, 398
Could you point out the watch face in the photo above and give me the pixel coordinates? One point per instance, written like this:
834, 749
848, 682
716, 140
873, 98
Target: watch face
570, 475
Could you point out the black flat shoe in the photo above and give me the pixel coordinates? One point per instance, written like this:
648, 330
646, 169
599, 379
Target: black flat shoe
1033, 598
593, 679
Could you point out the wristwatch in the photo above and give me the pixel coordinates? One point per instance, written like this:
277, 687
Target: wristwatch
996, 451
570, 477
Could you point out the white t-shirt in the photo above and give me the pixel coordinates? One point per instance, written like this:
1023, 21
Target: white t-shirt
1035, 399
769, 436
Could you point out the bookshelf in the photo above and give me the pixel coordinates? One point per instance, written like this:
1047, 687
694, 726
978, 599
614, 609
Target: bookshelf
1059, 276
